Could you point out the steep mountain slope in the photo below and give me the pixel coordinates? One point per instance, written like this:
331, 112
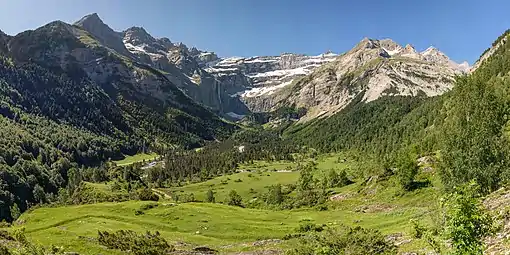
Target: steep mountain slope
180, 66
256, 76
490, 51
4, 39
374, 68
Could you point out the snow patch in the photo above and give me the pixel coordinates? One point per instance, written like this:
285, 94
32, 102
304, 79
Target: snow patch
257, 60
392, 52
254, 92
296, 71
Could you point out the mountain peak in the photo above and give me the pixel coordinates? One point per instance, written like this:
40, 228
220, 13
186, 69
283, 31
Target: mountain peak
92, 18
137, 36
107, 36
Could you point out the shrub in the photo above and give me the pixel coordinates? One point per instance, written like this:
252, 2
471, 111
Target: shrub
234, 199
188, 198
148, 206
309, 227
209, 198
418, 230
4, 250
274, 195
467, 221
352, 241
147, 195
138, 244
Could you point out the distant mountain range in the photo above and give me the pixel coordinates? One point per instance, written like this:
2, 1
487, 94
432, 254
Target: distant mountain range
235, 87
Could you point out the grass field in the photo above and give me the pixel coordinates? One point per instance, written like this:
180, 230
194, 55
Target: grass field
255, 178
222, 227
128, 160
374, 204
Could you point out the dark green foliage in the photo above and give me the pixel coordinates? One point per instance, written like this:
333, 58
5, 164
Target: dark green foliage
274, 195
467, 220
54, 118
147, 195
139, 244
378, 126
309, 227
352, 241
407, 169
221, 158
234, 199
336, 180
15, 212
476, 141
418, 230
309, 191
209, 198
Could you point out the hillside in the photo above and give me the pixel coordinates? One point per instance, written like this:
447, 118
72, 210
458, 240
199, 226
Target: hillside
68, 101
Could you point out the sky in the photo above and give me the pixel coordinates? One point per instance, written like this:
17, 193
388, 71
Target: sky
462, 29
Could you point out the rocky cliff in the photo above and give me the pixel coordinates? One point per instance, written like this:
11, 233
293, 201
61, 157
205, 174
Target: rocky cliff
374, 68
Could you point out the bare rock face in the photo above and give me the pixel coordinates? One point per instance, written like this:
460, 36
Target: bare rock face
183, 66
373, 68
102, 32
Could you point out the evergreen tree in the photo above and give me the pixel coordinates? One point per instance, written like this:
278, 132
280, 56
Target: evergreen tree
210, 196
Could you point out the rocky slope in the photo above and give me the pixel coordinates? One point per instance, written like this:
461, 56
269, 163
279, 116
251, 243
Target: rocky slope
373, 68
183, 67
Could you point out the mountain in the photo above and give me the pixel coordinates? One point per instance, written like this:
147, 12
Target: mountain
120, 96
102, 32
4, 39
183, 67
500, 41
373, 68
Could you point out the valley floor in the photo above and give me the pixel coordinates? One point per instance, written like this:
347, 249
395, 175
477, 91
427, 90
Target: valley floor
231, 230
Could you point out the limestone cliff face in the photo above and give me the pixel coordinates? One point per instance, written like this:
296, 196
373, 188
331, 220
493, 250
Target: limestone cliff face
374, 68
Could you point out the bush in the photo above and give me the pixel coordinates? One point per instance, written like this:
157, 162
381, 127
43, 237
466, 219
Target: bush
467, 220
188, 198
147, 195
309, 227
418, 230
234, 199
209, 198
274, 195
4, 250
352, 241
148, 206
139, 244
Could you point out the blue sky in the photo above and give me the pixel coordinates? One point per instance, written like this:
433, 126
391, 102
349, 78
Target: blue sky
462, 29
